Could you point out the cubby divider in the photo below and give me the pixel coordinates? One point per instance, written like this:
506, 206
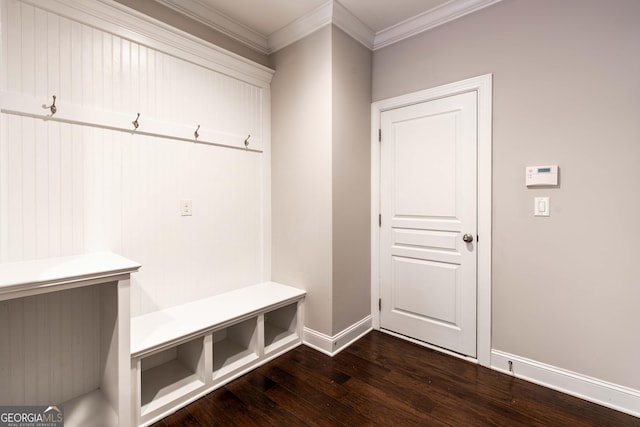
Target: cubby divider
183, 352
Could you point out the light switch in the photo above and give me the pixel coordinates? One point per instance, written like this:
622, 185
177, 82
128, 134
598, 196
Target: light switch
541, 206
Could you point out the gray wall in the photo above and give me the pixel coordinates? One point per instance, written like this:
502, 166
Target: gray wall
321, 101
321, 97
566, 289
301, 169
351, 77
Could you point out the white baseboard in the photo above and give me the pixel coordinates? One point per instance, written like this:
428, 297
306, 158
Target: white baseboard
607, 394
335, 344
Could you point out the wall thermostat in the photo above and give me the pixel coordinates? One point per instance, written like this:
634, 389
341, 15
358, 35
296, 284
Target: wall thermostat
541, 176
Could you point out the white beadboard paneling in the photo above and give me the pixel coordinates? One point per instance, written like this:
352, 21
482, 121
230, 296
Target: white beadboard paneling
80, 371
86, 66
66, 224
75, 184
5, 354
40, 61
12, 44
30, 349
42, 190
43, 345
17, 338
28, 179
37, 366
64, 60
66, 346
54, 189
27, 27
4, 186
76, 67
53, 58
106, 49
134, 81
77, 191
13, 195
97, 68
83, 65
55, 334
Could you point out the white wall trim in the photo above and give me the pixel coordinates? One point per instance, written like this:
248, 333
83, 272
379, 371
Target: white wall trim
301, 27
335, 344
112, 17
607, 394
428, 20
205, 14
483, 86
328, 13
351, 25
331, 12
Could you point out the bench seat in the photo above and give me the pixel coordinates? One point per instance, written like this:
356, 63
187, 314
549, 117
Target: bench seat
180, 353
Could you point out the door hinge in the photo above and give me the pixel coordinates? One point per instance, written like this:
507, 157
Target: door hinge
379, 304
379, 220
477, 238
379, 135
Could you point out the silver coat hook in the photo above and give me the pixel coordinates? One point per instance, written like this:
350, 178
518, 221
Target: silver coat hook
53, 107
246, 143
135, 122
196, 134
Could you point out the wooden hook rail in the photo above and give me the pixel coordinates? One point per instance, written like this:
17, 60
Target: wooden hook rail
27, 106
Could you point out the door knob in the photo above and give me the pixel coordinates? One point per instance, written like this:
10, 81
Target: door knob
467, 238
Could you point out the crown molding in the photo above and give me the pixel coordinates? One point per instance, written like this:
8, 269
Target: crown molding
351, 25
301, 27
331, 12
428, 20
205, 14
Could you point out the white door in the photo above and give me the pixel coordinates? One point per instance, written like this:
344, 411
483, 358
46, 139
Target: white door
429, 220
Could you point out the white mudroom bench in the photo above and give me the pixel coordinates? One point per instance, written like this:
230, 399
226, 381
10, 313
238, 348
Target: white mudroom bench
183, 352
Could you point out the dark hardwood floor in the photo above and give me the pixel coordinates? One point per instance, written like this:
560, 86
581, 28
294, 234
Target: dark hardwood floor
384, 381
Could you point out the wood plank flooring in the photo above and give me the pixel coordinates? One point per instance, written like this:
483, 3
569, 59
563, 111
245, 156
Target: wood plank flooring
383, 381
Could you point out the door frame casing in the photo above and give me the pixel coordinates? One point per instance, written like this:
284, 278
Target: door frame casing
483, 86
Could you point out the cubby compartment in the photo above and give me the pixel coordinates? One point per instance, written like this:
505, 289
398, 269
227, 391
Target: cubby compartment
281, 327
64, 331
234, 347
222, 336
171, 375
70, 368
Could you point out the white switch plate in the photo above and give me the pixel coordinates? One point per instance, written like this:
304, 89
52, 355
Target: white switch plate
541, 206
185, 208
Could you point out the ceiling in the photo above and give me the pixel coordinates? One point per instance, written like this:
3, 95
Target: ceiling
269, 25
381, 14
